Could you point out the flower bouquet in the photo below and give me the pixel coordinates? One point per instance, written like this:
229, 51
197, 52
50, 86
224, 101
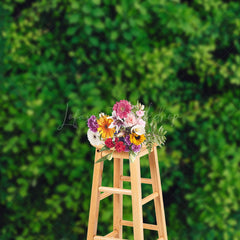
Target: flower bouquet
126, 130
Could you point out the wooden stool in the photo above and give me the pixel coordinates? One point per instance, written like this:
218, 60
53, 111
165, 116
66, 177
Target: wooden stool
99, 192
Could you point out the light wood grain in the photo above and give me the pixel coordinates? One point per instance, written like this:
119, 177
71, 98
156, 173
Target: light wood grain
136, 199
95, 198
145, 225
107, 238
158, 201
143, 180
149, 198
124, 155
112, 234
104, 195
117, 198
115, 190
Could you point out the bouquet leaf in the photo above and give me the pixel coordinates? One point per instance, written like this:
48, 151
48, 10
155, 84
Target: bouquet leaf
132, 156
107, 157
104, 148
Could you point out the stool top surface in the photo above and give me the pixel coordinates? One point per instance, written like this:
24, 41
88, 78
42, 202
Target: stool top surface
124, 155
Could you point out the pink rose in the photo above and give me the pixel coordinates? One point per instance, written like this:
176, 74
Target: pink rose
130, 120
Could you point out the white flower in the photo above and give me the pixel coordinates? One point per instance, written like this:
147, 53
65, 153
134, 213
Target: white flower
140, 106
120, 134
111, 125
140, 113
117, 121
141, 122
101, 114
94, 138
114, 114
138, 129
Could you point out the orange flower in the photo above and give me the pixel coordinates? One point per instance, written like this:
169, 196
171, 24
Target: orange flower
104, 129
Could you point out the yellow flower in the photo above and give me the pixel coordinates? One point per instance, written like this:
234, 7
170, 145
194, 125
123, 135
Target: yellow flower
137, 139
103, 128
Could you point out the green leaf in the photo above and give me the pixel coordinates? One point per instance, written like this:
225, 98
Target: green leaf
104, 148
97, 2
104, 158
74, 18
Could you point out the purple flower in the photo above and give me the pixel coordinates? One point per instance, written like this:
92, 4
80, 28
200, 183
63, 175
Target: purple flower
92, 123
126, 149
136, 148
127, 140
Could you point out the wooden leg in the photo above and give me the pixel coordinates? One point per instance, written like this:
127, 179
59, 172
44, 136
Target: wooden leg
95, 198
117, 198
158, 202
136, 199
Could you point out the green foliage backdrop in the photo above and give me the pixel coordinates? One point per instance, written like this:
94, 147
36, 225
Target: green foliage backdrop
180, 58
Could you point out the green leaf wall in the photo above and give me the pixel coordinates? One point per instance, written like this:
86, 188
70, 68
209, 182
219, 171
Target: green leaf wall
180, 58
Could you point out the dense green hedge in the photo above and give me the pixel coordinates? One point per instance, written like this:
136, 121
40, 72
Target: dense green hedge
182, 58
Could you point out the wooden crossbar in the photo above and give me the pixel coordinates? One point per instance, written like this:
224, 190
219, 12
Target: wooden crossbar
149, 198
107, 238
145, 225
115, 190
111, 234
143, 180
104, 195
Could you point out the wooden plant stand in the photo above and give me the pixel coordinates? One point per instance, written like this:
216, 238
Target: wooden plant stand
100, 192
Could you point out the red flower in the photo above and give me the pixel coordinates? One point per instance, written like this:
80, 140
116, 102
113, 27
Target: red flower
109, 143
120, 147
